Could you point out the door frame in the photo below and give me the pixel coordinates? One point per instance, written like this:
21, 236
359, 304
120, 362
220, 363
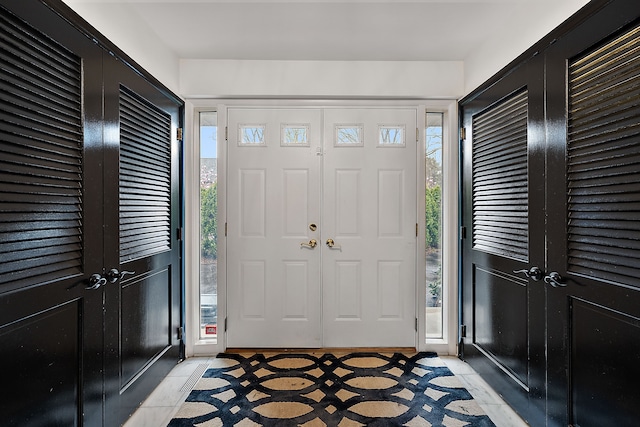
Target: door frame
193, 344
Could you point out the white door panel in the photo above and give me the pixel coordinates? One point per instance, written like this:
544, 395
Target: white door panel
274, 195
367, 184
369, 211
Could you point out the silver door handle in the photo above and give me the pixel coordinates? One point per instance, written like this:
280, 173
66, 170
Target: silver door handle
113, 275
95, 281
533, 273
555, 279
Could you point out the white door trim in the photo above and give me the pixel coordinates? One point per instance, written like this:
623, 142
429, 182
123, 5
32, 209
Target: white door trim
194, 346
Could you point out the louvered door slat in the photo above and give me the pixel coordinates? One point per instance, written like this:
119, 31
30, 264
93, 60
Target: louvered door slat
24, 100
133, 159
31, 158
500, 181
133, 215
131, 129
28, 87
145, 178
41, 135
624, 154
604, 161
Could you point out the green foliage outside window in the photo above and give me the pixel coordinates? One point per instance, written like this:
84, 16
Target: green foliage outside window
435, 287
433, 208
208, 221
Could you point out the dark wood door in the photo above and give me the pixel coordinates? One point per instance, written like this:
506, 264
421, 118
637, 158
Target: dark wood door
594, 221
51, 210
142, 304
503, 308
89, 213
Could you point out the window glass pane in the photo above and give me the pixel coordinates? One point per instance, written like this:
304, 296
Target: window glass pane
208, 225
391, 135
348, 135
433, 223
252, 135
295, 135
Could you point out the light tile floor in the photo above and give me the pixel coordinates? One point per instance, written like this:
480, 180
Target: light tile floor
167, 398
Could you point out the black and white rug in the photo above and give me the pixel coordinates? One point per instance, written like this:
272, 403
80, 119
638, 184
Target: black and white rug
310, 390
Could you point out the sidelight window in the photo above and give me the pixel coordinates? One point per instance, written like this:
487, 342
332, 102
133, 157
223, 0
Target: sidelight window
208, 225
433, 225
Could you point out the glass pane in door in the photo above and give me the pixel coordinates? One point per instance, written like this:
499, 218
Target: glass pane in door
433, 224
208, 225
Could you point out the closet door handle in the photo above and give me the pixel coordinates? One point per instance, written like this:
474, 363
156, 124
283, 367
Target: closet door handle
114, 275
554, 279
533, 273
95, 281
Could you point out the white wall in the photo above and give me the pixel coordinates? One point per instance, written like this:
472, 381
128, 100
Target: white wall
526, 27
238, 78
117, 22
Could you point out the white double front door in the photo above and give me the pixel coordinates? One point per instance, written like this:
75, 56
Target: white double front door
321, 231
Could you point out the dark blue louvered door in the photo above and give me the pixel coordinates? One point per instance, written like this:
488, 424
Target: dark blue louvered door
594, 295
51, 211
551, 179
89, 219
503, 240
142, 316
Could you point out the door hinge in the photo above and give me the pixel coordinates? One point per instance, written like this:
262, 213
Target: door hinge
179, 233
416, 326
463, 331
416, 229
225, 229
226, 133
417, 134
463, 232
180, 332
225, 324
179, 134
463, 134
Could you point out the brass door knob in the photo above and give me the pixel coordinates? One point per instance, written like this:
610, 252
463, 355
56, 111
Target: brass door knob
312, 244
332, 244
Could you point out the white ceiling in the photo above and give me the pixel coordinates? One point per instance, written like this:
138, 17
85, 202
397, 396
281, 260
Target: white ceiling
376, 30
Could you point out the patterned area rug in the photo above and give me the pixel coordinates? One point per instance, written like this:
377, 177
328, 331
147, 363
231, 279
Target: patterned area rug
358, 389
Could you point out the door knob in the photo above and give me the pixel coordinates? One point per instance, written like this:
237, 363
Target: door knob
95, 281
533, 273
113, 275
312, 244
554, 279
332, 244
